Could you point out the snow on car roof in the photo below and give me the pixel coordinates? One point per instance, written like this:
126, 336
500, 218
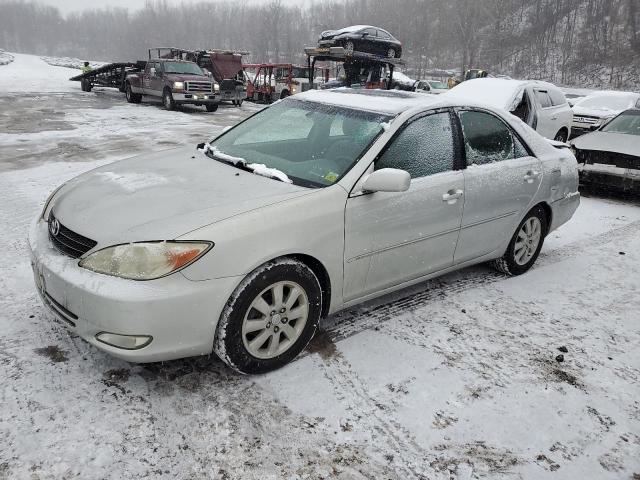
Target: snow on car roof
499, 92
390, 102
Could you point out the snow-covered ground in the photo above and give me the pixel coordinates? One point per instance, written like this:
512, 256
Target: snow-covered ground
456, 378
5, 57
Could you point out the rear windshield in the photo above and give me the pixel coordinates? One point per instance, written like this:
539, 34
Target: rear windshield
313, 144
628, 123
182, 68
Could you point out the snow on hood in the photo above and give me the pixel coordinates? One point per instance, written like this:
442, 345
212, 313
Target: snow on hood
161, 196
609, 142
258, 168
579, 111
605, 103
497, 92
351, 29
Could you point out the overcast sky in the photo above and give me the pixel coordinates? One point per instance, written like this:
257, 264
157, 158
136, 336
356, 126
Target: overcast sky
66, 6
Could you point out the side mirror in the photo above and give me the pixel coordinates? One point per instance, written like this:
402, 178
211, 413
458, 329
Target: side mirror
152, 71
387, 180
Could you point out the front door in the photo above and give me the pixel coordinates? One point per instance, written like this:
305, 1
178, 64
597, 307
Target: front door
392, 238
501, 179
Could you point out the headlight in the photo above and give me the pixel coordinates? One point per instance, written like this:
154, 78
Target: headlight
216, 87
145, 260
48, 201
178, 85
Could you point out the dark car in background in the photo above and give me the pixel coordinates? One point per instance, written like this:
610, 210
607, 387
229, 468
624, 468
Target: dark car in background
610, 156
362, 38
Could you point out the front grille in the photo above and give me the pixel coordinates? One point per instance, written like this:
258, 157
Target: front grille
586, 119
620, 160
205, 87
67, 241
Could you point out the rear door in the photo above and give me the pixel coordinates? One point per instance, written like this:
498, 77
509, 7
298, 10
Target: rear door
501, 179
395, 237
546, 115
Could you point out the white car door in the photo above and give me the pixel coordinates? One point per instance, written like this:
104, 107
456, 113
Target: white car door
547, 119
392, 238
501, 179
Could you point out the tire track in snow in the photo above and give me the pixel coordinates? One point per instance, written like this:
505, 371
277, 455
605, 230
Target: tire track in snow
389, 436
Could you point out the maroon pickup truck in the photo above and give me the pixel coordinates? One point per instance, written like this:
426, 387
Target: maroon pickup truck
177, 82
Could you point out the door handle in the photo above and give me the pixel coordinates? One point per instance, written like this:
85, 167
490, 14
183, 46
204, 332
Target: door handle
531, 176
452, 196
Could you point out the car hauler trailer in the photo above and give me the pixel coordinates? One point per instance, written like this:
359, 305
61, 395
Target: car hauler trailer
361, 69
267, 82
224, 65
112, 75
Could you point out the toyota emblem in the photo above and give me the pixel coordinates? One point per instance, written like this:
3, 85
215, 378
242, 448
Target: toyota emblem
54, 227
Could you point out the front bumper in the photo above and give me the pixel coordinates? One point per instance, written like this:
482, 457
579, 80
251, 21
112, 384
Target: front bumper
196, 98
577, 130
179, 314
609, 176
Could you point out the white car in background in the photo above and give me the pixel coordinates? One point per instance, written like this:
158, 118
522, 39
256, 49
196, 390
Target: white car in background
541, 105
314, 204
593, 111
434, 87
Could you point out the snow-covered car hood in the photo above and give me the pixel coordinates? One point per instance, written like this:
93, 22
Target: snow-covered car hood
351, 29
579, 111
609, 142
161, 196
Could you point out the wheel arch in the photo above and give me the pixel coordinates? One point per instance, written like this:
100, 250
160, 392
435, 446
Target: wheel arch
322, 274
548, 212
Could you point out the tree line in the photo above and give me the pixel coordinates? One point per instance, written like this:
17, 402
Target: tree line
571, 42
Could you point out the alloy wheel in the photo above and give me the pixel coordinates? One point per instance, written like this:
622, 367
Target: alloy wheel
528, 240
275, 319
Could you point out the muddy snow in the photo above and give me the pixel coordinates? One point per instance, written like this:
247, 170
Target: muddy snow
472, 375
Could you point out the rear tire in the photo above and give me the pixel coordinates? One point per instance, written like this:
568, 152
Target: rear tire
391, 53
284, 94
561, 136
130, 96
270, 318
212, 108
167, 100
525, 245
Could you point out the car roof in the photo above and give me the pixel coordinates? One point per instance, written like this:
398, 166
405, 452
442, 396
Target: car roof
390, 102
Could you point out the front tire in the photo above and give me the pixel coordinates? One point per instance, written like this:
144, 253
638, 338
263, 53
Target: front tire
349, 47
391, 53
270, 318
212, 108
525, 245
167, 100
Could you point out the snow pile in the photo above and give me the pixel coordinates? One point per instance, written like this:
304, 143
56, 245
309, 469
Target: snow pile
69, 62
5, 57
402, 79
257, 168
261, 169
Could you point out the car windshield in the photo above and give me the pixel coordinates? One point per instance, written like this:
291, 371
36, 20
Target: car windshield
610, 102
628, 123
437, 84
182, 67
308, 143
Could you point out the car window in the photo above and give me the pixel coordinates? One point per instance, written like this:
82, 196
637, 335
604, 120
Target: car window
557, 97
370, 31
519, 150
423, 147
384, 35
543, 98
487, 139
626, 122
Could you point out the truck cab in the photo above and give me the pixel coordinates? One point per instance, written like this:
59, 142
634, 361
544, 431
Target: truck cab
177, 82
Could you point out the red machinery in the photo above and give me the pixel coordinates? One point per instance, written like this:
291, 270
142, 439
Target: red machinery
267, 82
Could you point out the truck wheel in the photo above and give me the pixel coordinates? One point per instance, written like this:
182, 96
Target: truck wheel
239, 102
131, 97
212, 108
270, 317
284, 94
167, 100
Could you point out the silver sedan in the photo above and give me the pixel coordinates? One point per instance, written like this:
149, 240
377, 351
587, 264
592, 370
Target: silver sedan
314, 204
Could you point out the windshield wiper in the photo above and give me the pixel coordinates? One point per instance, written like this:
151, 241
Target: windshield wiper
241, 163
